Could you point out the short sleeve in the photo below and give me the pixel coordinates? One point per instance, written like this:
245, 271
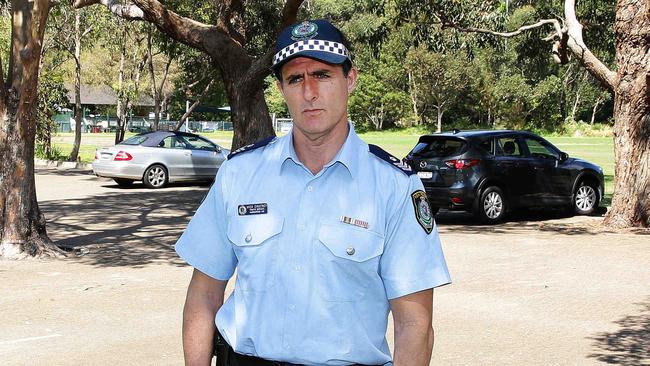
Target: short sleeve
204, 244
413, 259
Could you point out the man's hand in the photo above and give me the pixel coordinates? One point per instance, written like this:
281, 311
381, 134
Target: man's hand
412, 316
204, 298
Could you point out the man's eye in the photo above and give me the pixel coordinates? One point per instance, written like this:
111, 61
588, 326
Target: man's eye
322, 76
294, 79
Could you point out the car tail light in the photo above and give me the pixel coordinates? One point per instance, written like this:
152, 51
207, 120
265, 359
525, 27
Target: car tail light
123, 156
461, 163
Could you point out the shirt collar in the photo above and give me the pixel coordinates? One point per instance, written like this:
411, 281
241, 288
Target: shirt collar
348, 155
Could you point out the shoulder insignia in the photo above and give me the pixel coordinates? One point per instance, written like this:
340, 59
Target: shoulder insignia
384, 155
251, 147
422, 210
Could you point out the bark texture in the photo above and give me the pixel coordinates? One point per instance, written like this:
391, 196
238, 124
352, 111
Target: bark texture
22, 225
631, 203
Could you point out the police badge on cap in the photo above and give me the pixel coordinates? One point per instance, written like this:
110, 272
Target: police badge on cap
304, 30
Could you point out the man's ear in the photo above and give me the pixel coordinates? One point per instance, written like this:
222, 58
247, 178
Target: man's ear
352, 80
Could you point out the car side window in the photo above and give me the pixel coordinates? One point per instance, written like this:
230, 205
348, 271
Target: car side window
508, 146
172, 142
488, 146
539, 149
198, 143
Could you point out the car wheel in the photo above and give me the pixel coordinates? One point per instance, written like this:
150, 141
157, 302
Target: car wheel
155, 176
123, 182
491, 207
585, 199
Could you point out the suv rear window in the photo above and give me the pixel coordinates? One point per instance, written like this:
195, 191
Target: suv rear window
134, 140
438, 147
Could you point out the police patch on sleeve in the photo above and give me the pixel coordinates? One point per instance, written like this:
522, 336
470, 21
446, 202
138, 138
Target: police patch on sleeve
422, 210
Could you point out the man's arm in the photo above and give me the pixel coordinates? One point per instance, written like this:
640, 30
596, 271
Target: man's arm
204, 297
412, 317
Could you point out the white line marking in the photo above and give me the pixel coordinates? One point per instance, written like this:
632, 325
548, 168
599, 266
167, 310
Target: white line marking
29, 339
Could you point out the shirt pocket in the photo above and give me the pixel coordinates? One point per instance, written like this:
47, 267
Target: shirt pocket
348, 262
254, 239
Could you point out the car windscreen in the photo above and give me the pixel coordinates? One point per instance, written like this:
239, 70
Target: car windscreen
438, 147
134, 140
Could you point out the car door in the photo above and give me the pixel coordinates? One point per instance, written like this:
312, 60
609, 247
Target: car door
206, 157
177, 158
514, 168
552, 180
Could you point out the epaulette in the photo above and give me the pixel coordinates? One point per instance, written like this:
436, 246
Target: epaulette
385, 156
251, 147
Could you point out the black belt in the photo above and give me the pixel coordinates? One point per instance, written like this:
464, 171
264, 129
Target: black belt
227, 356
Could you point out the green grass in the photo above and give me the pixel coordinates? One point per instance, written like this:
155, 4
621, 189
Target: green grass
598, 150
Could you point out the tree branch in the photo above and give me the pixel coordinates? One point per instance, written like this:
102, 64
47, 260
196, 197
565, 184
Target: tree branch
114, 6
579, 49
193, 106
554, 22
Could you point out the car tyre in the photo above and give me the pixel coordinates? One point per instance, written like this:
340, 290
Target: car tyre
124, 183
585, 199
491, 206
155, 176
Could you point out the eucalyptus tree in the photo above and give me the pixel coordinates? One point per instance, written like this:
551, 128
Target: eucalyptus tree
623, 27
22, 224
237, 35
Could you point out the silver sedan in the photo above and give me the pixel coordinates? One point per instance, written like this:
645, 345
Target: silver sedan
157, 158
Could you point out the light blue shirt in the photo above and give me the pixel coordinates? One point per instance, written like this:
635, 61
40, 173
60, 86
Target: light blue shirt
317, 256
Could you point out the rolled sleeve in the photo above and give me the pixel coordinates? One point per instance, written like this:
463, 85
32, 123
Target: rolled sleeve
413, 259
204, 244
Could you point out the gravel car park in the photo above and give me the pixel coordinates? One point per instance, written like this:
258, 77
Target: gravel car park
492, 172
157, 158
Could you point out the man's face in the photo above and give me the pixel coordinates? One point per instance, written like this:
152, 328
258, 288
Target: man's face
317, 95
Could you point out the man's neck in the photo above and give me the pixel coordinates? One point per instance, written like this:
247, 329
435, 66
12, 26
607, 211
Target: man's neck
315, 152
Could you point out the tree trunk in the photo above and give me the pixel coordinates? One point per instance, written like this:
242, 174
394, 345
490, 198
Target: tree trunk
413, 93
249, 112
576, 103
74, 155
594, 110
22, 225
440, 113
631, 201
119, 133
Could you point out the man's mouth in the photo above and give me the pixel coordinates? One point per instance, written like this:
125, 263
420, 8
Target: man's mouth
311, 111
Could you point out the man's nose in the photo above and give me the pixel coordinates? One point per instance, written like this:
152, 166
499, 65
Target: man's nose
310, 89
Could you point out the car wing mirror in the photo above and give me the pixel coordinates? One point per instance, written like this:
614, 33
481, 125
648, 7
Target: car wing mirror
563, 156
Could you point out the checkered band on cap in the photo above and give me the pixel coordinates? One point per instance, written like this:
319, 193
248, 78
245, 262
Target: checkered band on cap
310, 45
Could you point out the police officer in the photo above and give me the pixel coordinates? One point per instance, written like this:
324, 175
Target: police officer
327, 234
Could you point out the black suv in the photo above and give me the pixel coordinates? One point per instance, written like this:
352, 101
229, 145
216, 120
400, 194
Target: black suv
492, 172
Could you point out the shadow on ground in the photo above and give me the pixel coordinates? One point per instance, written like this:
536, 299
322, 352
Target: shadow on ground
130, 227
629, 345
557, 221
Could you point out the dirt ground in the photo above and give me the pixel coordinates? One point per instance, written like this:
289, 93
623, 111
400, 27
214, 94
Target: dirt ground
539, 290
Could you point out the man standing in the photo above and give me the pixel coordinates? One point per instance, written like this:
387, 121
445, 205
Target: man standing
326, 232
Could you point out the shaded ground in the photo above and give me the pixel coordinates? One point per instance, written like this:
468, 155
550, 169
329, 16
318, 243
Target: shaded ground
542, 289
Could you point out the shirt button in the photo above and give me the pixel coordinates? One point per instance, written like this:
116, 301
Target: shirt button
297, 267
310, 188
350, 251
292, 307
248, 238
